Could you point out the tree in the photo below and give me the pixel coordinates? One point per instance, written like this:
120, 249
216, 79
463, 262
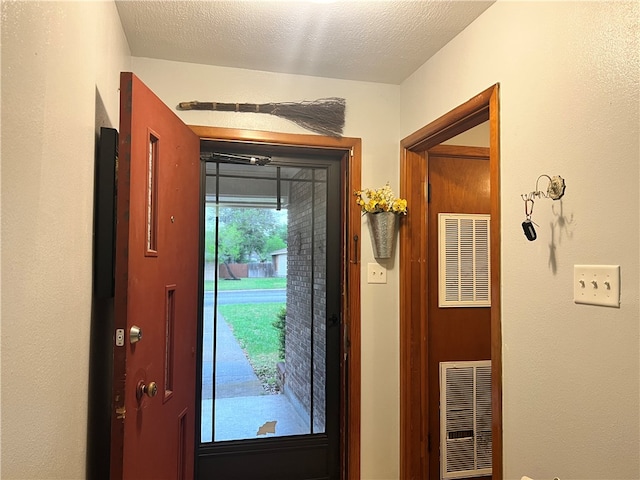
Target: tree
244, 232
273, 243
229, 244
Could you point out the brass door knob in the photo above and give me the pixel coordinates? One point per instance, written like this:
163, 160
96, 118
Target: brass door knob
150, 390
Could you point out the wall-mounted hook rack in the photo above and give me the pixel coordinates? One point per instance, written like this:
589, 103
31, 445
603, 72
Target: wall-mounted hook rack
555, 191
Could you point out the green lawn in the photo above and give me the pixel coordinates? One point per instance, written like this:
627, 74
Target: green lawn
252, 325
247, 284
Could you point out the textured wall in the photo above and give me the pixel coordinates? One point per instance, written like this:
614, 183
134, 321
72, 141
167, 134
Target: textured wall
569, 106
569, 101
60, 76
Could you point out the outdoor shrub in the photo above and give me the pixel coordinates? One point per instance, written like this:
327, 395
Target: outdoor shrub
280, 324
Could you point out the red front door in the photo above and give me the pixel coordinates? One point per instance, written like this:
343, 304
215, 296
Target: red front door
156, 290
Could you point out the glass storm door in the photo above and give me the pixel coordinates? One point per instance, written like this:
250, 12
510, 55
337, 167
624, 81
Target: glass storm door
270, 330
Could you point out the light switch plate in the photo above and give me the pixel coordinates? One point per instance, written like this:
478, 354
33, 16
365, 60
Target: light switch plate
597, 285
376, 273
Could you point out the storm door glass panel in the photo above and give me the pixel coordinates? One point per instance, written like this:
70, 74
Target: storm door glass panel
264, 326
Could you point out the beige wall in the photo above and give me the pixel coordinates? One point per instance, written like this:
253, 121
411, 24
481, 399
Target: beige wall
569, 106
373, 115
60, 64
569, 96
475, 137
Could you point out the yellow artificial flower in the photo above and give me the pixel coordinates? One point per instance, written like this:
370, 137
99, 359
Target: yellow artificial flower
380, 200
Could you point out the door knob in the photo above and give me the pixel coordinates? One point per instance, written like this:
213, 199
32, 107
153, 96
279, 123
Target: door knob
135, 334
150, 390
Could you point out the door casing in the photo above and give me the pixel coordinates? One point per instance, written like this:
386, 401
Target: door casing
350, 365
414, 267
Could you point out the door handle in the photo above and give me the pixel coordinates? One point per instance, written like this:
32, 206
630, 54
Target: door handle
135, 334
149, 390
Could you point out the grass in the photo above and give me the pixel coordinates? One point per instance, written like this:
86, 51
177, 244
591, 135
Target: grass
252, 325
248, 284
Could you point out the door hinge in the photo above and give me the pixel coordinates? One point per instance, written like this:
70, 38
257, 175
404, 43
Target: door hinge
428, 193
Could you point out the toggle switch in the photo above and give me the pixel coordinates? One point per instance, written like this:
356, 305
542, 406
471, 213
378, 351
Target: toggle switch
376, 273
597, 285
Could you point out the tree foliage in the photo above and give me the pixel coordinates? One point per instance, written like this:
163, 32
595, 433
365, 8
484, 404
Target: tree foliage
273, 243
246, 234
229, 244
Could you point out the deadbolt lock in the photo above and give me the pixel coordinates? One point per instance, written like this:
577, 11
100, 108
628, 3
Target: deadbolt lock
135, 334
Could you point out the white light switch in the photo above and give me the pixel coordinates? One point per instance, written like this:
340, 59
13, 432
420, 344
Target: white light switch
597, 285
376, 273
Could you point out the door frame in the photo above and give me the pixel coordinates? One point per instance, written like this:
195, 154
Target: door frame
414, 266
350, 349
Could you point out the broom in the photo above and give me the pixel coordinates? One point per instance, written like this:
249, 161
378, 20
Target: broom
324, 116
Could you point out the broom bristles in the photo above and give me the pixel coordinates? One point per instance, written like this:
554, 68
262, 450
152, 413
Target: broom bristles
324, 116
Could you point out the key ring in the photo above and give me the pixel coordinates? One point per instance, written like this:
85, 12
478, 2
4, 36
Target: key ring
527, 225
528, 208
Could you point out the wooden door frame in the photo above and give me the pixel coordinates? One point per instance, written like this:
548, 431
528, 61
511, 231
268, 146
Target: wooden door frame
414, 281
350, 371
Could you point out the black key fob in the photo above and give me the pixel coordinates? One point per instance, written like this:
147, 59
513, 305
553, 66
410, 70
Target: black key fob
529, 231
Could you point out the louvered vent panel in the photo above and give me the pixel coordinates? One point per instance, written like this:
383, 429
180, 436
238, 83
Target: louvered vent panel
483, 416
459, 424
464, 260
465, 419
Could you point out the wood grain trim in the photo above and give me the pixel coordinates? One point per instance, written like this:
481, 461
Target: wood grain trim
455, 151
496, 300
413, 314
273, 138
468, 115
352, 315
413, 278
352, 165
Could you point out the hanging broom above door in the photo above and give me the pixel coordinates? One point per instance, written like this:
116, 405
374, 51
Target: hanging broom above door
324, 116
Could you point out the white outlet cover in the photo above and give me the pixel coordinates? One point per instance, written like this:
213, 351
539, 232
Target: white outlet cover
597, 285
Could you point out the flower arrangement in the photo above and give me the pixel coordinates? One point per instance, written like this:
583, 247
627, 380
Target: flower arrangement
380, 200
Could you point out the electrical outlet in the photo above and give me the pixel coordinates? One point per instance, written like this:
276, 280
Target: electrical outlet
597, 285
376, 273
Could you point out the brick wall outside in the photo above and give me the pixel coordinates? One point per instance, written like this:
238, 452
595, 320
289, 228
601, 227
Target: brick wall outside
306, 297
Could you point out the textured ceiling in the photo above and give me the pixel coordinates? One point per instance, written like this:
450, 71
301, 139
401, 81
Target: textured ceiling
378, 41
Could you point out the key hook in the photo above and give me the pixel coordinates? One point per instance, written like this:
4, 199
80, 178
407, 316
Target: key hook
555, 189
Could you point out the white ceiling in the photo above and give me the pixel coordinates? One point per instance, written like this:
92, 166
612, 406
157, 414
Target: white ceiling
378, 41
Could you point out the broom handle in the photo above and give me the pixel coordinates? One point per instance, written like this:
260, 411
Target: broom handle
228, 107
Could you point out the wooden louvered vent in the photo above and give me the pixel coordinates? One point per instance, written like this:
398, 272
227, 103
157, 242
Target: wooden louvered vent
464, 260
465, 419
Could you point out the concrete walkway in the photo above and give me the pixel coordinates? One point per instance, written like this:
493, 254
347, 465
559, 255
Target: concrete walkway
243, 409
234, 375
